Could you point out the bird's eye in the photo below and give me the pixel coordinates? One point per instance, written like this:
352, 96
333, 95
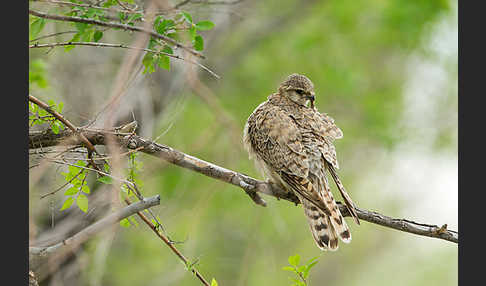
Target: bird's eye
300, 91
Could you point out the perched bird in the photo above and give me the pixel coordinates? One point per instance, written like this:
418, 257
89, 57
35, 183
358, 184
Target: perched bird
291, 143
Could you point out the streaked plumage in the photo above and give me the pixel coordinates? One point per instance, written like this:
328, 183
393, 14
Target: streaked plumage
292, 144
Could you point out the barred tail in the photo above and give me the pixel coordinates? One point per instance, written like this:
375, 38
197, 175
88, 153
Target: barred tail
321, 228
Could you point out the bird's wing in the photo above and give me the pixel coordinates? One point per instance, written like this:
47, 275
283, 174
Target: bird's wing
275, 138
324, 128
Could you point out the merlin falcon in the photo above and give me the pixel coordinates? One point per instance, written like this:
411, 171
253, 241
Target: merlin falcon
291, 143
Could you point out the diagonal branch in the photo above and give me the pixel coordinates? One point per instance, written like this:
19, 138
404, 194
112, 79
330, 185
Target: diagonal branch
116, 25
251, 186
38, 254
169, 244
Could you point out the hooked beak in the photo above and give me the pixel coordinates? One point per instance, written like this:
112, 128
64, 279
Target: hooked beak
311, 97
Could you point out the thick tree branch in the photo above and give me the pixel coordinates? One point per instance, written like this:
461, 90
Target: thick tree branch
250, 185
116, 25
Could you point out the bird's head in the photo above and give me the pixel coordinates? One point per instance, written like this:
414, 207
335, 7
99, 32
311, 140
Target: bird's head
299, 89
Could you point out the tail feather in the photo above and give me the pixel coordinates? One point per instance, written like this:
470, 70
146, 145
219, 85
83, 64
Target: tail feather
347, 199
321, 227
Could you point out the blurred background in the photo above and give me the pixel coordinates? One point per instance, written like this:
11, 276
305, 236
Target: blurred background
386, 71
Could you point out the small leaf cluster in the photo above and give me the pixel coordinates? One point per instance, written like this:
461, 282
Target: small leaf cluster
180, 27
86, 32
38, 115
78, 187
301, 271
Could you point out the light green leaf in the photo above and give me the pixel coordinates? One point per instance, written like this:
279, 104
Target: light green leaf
192, 33
82, 202
60, 106
85, 189
71, 191
55, 127
125, 222
214, 282
204, 25
288, 268
294, 260
105, 180
164, 62
67, 203
148, 62
36, 27
198, 43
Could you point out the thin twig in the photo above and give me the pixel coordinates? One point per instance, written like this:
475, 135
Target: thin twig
111, 9
168, 242
116, 25
251, 186
105, 45
61, 187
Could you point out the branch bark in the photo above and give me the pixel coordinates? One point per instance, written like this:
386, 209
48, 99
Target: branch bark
251, 186
38, 254
106, 45
115, 25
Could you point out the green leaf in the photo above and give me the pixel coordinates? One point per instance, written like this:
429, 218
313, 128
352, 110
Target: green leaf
71, 191
75, 38
77, 183
67, 203
60, 106
162, 26
87, 36
294, 260
288, 268
214, 282
125, 222
148, 62
105, 180
192, 33
36, 27
82, 202
55, 127
109, 3
106, 168
187, 17
85, 189
204, 25
97, 36
81, 27
198, 43
164, 62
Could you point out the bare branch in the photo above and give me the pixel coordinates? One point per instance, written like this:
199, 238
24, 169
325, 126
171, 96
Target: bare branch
116, 25
105, 45
36, 253
250, 185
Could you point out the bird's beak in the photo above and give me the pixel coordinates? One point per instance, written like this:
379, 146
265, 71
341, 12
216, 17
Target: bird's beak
311, 97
